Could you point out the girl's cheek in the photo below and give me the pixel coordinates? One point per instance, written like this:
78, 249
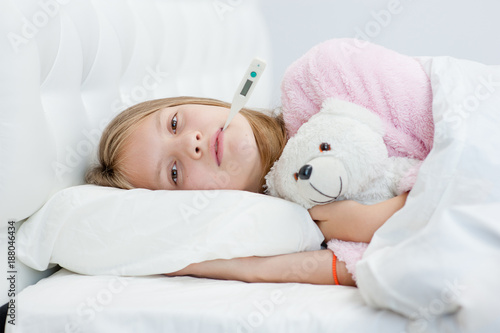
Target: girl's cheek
234, 169
248, 150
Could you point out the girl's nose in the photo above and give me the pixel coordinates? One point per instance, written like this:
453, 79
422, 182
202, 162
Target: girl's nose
193, 144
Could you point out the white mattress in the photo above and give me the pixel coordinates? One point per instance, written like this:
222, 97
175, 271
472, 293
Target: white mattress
68, 302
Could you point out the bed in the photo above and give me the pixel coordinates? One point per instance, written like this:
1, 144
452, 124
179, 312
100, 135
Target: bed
69, 66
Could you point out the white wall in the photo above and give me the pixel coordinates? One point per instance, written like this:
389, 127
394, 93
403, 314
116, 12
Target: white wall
459, 28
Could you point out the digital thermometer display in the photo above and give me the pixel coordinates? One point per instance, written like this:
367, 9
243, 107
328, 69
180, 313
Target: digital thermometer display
245, 88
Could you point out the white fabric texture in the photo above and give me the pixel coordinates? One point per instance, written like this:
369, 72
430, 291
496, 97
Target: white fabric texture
436, 261
100, 230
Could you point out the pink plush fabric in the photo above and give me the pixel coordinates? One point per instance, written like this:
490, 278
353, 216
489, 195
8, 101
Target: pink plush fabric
392, 85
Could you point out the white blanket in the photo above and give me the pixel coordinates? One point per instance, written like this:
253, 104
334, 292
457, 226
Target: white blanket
437, 261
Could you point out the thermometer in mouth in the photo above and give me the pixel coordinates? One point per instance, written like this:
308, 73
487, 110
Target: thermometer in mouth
245, 89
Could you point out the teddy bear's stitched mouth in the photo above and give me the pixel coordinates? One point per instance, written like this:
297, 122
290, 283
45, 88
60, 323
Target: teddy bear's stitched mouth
326, 195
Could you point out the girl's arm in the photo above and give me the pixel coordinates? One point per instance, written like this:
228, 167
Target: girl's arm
313, 267
351, 221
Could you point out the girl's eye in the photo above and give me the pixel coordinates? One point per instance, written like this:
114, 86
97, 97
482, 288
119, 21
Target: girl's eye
173, 123
173, 173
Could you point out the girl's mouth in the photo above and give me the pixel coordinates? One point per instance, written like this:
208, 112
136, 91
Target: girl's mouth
217, 146
217, 150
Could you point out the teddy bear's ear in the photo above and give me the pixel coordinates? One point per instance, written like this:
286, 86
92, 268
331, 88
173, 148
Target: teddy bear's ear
357, 112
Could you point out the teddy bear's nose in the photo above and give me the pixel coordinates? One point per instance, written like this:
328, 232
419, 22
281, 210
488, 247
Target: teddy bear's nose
305, 172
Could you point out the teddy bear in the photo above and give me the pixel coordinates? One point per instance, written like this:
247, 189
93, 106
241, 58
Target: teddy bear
340, 154
395, 90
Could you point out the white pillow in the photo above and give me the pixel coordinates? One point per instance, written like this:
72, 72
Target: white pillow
100, 230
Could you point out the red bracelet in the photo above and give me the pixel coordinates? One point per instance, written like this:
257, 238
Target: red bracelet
334, 269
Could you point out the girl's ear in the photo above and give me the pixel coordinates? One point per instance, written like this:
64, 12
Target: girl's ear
342, 108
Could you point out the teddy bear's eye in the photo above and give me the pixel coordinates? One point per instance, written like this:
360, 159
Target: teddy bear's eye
324, 147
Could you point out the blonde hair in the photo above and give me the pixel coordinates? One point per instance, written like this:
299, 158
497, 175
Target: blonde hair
269, 132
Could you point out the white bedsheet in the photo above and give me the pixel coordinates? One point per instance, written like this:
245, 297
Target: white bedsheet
68, 302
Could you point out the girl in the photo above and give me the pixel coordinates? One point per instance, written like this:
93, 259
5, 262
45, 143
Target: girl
178, 143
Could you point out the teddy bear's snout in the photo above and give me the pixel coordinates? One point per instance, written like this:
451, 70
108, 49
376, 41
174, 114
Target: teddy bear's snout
327, 183
305, 172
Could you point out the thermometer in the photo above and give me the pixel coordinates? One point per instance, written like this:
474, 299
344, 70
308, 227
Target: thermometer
247, 84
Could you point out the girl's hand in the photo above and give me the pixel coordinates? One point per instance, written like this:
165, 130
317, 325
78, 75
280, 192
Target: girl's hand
341, 220
223, 269
351, 221
313, 267
186, 271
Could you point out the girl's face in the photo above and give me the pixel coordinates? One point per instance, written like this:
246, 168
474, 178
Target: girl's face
183, 148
